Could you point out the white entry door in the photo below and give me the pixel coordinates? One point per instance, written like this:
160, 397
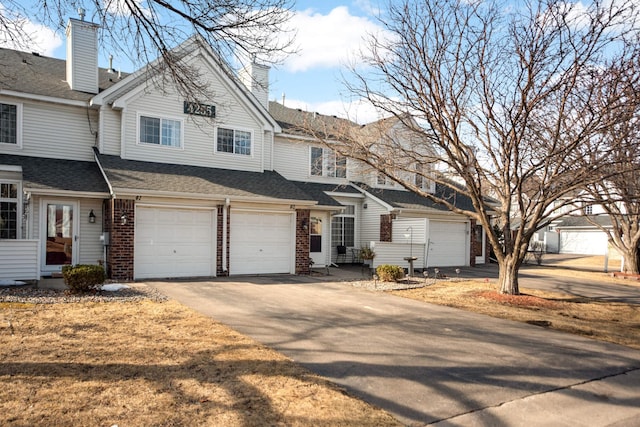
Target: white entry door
173, 242
318, 238
59, 231
261, 242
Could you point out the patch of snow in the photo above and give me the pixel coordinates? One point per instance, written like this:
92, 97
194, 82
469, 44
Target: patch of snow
11, 283
113, 287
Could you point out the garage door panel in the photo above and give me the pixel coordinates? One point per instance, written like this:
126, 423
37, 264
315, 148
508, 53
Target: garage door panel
583, 242
174, 243
447, 244
261, 243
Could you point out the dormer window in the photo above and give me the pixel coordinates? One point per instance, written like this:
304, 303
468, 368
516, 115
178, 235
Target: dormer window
325, 162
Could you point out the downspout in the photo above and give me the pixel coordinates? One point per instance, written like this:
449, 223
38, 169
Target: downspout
227, 202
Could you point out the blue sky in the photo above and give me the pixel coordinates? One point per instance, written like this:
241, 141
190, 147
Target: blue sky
328, 34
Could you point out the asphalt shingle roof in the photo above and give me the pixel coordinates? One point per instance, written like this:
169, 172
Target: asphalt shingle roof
58, 174
40, 75
409, 200
138, 175
318, 192
582, 221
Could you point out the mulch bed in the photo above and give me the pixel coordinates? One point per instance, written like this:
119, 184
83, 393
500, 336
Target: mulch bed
522, 300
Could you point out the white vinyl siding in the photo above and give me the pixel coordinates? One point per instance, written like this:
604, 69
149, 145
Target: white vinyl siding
58, 131
19, 260
370, 221
292, 159
110, 132
199, 136
90, 248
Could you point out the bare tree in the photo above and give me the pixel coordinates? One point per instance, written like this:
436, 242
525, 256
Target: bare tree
618, 192
144, 31
500, 93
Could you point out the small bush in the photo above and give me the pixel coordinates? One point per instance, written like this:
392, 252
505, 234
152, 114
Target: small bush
389, 273
82, 277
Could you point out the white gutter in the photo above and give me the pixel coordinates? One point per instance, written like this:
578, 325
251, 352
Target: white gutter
44, 98
132, 192
66, 193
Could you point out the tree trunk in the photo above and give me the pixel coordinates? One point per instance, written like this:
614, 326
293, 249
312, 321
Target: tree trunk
508, 276
631, 261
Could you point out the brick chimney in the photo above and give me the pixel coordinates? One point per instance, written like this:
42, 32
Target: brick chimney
82, 55
256, 78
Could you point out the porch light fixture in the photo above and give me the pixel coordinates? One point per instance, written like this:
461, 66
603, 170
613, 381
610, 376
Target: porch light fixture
92, 217
305, 224
123, 218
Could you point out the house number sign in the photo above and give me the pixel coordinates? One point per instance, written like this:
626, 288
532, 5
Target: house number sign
197, 109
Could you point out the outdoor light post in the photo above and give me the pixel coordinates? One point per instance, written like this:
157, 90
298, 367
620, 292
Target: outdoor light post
410, 258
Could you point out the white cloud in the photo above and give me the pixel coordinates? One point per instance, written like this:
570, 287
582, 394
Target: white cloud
359, 111
31, 36
327, 41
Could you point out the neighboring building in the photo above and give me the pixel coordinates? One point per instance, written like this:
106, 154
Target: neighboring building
98, 167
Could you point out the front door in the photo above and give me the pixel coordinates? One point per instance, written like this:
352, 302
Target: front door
317, 244
59, 231
478, 242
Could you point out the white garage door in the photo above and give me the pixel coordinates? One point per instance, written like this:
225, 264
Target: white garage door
583, 242
174, 243
448, 244
261, 243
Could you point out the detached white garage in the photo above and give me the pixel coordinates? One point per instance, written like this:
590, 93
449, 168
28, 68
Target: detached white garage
261, 242
448, 244
172, 242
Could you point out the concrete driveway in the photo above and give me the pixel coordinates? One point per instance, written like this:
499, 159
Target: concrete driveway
426, 363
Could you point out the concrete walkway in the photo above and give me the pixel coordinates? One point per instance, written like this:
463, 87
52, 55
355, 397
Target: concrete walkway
426, 363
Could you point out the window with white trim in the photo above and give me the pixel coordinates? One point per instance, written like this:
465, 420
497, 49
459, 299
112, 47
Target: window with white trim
8, 210
234, 141
343, 228
587, 209
10, 117
325, 162
160, 131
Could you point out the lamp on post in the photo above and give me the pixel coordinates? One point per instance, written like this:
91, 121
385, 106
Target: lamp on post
410, 258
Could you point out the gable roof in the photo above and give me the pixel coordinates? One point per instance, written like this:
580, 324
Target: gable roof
39, 173
318, 192
133, 176
31, 73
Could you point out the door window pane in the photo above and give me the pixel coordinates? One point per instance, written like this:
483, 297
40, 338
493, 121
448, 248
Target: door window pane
59, 248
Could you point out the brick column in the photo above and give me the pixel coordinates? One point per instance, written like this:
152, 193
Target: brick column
120, 256
386, 228
302, 241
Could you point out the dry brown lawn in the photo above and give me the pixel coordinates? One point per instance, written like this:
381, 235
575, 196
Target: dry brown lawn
607, 321
154, 364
